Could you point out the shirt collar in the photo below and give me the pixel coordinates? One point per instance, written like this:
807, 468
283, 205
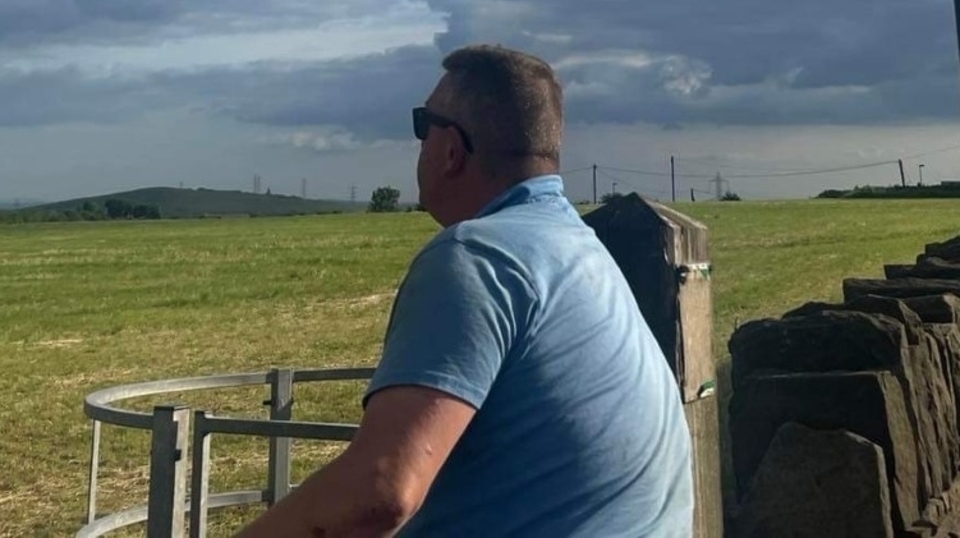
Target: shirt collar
530, 190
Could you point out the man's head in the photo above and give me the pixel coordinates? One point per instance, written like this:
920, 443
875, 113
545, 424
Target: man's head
494, 119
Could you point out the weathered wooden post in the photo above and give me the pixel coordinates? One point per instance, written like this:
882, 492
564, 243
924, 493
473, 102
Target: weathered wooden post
665, 257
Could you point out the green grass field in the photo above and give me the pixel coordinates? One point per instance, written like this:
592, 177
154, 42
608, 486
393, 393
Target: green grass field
89, 305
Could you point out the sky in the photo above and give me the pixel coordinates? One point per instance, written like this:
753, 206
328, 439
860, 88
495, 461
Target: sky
100, 96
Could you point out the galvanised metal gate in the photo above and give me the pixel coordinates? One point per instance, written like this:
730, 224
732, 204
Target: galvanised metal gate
168, 505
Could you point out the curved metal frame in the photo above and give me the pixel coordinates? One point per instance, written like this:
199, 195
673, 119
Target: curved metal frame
168, 504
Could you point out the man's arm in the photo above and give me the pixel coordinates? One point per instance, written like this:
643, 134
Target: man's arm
381, 479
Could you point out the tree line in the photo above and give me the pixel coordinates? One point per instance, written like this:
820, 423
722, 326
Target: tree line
112, 209
382, 200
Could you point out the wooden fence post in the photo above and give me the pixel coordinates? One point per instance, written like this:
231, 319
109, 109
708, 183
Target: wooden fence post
665, 258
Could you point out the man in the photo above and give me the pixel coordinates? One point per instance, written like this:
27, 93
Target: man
520, 392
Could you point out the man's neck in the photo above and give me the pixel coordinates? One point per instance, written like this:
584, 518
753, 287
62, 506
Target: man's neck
486, 189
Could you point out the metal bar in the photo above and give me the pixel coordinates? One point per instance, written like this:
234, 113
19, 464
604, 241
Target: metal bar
148, 388
338, 374
138, 514
281, 408
94, 471
96, 405
182, 417
119, 417
236, 498
168, 463
302, 430
200, 479
110, 523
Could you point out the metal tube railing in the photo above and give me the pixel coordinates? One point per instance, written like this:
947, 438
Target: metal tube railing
167, 502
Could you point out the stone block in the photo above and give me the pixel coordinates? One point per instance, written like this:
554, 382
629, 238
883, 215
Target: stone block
928, 382
898, 287
814, 483
941, 308
870, 304
869, 404
947, 250
897, 270
821, 342
946, 341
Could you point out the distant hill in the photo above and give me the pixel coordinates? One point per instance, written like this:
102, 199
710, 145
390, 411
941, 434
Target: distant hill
195, 203
19, 203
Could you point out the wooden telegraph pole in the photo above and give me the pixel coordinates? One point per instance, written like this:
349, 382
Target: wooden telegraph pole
594, 184
673, 181
956, 13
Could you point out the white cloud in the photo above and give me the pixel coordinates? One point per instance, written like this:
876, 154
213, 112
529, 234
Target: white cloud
549, 38
684, 77
617, 57
334, 139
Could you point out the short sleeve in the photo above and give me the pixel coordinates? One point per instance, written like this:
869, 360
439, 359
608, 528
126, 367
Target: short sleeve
455, 320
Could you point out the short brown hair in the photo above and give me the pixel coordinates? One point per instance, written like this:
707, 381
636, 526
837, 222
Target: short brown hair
510, 103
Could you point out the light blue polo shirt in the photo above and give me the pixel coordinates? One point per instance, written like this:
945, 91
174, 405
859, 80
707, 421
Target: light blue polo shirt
580, 430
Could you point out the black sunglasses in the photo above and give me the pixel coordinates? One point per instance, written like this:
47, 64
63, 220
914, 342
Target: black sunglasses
423, 119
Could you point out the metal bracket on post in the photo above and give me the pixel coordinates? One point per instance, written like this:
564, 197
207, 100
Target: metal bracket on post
699, 270
168, 467
281, 408
200, 478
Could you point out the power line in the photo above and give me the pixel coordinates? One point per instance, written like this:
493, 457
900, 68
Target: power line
639, 172
932, 152
758, 176
795, 173
632, 183
575, 170
698, 163
711, 178
813, 172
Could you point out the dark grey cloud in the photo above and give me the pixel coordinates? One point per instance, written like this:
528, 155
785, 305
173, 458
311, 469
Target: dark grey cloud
766, 56
744, 41
370, 96
67, 95
25, 23
646, 95
28, 22
676, 62
125, 11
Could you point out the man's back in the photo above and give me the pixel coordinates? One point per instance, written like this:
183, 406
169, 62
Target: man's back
580, 430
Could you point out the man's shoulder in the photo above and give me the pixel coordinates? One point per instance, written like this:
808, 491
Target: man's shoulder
489, 237
523, 225
468, 247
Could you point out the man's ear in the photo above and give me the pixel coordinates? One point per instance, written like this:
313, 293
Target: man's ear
456, 155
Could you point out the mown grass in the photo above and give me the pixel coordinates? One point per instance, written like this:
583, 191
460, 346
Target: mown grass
90, 305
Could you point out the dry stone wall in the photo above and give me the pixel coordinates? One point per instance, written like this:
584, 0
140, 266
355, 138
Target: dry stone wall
844, 420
